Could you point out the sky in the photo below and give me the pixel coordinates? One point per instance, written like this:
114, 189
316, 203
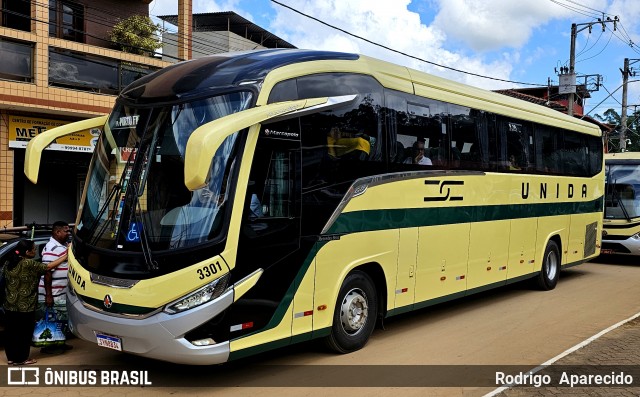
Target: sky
521, 41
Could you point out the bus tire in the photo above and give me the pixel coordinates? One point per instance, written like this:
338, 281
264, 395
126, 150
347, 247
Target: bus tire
355, 314
550, 270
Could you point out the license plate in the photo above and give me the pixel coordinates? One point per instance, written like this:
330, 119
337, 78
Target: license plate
109, 341
607, 251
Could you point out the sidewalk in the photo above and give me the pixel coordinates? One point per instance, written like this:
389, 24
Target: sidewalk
617, 348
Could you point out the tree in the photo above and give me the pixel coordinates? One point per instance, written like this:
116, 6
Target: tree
632, 132
136, 35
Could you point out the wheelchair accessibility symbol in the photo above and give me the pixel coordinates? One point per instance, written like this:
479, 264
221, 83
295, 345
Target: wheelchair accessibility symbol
133, 235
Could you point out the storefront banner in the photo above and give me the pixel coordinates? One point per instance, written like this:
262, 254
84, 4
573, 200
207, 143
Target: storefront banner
23, 128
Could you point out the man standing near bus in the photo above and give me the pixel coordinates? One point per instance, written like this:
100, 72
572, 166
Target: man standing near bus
52, 291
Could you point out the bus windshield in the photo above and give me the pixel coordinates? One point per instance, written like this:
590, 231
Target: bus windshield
622, 191
136, 199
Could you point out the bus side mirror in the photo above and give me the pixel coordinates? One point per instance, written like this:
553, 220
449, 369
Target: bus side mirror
37, 145
205, 140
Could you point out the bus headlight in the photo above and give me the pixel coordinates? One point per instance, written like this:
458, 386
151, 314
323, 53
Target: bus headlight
200, 296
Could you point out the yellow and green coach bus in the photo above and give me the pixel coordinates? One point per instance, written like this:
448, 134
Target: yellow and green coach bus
246, 201
621, 225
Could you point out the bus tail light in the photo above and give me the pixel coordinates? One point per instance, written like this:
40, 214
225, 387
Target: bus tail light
198, 297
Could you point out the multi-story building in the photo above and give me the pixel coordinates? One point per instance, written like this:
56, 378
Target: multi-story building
219, 32
57, 66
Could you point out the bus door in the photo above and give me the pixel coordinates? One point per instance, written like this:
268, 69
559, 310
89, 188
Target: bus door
270, 234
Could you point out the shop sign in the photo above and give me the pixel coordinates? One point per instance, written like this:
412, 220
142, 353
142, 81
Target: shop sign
23, 128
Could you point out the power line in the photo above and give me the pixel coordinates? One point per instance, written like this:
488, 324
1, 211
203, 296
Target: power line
585, 49
576, 10
626, 41
611, 95
603, 48
588, 8
400, 52
4, 10
97, 15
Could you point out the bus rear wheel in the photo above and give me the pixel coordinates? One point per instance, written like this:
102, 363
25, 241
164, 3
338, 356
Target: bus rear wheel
550, 271
355, 314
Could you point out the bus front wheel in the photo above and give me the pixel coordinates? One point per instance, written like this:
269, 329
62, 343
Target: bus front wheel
355, 314
550, 271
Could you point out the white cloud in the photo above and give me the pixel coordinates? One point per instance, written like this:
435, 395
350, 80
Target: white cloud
493, 24
388, 23
629, 13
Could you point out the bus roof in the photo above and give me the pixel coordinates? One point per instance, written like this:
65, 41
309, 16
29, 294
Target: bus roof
196, 78
622, 158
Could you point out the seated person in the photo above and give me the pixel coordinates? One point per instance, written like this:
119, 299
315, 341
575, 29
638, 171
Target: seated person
341, 143
417, 155
513, 164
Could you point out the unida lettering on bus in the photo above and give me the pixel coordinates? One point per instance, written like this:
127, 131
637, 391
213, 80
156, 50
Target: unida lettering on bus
554, 190
73, 275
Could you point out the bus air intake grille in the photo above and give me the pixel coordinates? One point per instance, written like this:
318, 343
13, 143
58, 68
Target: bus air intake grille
590, 239
112, 281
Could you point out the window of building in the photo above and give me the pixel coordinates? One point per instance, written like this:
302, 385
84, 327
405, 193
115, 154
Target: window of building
66, 20
16, 15
18, 61
69, 69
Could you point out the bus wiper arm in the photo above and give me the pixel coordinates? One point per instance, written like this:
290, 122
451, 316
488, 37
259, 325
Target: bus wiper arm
616, 196
136, 214
152, 150
114, 192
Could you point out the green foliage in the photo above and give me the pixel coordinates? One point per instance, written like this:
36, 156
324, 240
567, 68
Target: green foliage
632, 133
136, 35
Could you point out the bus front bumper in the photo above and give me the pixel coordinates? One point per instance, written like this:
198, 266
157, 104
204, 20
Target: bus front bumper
629, 246
159, 336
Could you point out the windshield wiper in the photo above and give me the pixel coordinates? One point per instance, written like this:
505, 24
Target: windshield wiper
616, 196
152, 150
115, 192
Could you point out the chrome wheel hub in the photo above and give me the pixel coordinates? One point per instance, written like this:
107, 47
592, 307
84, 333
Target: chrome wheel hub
354, 311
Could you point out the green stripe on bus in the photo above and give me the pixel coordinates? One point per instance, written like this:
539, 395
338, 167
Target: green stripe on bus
249, 351
278, 315
371, 220
414, 217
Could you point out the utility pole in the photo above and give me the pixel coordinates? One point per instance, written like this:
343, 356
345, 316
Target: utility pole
572, 56
623, 115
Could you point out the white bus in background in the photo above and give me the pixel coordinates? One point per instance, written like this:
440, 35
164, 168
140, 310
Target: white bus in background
621, 225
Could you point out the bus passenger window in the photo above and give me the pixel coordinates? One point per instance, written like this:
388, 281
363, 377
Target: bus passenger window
419, 128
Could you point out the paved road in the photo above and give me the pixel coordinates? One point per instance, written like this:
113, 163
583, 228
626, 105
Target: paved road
513, 325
